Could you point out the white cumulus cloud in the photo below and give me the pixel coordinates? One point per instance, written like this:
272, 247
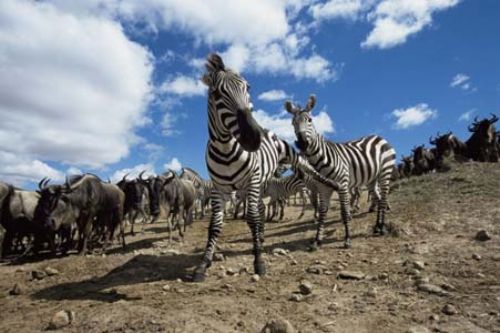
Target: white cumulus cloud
413, 116
77, 88
183, 86
395, 20
174, 165
332, 9
273, 95
133, 172
466, 116
462, 81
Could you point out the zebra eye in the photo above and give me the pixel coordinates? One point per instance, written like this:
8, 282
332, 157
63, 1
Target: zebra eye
309, 120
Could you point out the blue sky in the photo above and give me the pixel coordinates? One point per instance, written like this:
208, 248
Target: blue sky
112, 87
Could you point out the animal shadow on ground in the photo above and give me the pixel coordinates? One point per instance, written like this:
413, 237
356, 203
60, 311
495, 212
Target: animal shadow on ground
140, 269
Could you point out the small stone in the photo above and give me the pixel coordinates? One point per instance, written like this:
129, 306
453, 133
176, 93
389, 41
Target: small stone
255, 278
448, 287
483, 235
480, 275
348, 275
61, 319
16, 290
172, 252
412, 271
305, 287
316, 269
231, 271
333, 306
420, 265
219, 257
294, 262
166, 287
327, 272
179, 280
296, 297
417, 329
372, 292
434, 317
38, 275
476, 256
280, 252
495, 257
421, 280
449, 310
320, 262
278, 325
432, 289
51, 271
383, 276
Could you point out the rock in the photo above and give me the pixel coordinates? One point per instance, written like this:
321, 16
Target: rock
432, 289
327, 272
349, 275
333, 306
476, 256
166, 287
16, 290
51, 271
38, 275
480, 275
172, 252
231, 271
219, 257
412, 271
420, 265
61, 319
434, 317
255, 278
383, 276
296, 297
495, 257
417, 329
316, 269
448, 287
483, 236
449, 310
280, 252
305, 287
421, 280
279, 325
372, 292
294, 262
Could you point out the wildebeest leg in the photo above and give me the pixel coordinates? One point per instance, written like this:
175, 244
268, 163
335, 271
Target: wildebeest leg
214, 230
84, 234
7, 242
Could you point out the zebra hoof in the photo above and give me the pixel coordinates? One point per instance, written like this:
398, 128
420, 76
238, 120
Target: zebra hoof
260, 268
314, 246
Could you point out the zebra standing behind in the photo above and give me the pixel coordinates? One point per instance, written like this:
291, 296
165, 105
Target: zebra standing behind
367, 161
239, 155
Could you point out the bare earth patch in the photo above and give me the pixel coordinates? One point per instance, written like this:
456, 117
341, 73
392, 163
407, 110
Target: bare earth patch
429, 274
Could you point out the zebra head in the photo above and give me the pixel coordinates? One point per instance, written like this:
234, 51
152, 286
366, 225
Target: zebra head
230, 109
302, 122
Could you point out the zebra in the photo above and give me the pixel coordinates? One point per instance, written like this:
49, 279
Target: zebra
279, 189
367, 161
239, 155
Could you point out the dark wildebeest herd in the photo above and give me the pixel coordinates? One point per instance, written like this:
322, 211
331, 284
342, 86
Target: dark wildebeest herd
482, 146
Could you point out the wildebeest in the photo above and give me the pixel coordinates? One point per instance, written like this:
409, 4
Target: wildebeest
203, 188
136, 200
482, 145
424, 160
94, 202
448, 145
407, 166
18, 210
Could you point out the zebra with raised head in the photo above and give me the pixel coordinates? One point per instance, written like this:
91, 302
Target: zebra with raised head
364, 162
239, 155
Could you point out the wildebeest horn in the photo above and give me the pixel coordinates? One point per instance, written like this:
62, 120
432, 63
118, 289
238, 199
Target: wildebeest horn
471, 128
432, 141
124, 178
475, 120
140, 175
493, 119
43, 183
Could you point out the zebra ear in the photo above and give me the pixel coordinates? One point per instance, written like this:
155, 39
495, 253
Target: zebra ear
214, 63
311, 103
289, 107
207, 80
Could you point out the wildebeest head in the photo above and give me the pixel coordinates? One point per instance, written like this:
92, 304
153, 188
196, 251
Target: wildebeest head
446, 144
154, 184
302, 122
230, 92
49, 198
484, 128
408, 165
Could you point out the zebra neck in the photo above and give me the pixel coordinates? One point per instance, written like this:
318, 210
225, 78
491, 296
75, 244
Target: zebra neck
219, 136
316, 147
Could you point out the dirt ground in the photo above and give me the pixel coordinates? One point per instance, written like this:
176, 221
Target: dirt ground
433, 221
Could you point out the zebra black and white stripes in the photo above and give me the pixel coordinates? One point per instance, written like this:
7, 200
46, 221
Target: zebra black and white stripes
239, 155
368, 162
278, 190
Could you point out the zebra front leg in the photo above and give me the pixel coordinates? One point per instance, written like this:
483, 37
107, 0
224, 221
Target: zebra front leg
262, 211
255, 223
282, 209
323, 205
345, 215
214, 230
